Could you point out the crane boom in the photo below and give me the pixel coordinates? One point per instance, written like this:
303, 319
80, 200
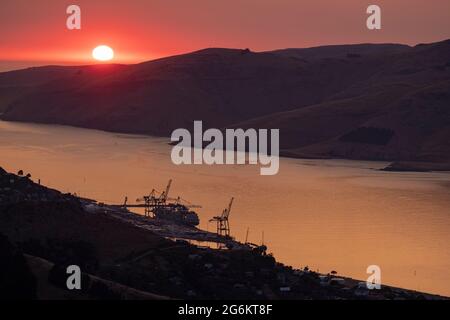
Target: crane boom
165, 194
228, 210
168, 187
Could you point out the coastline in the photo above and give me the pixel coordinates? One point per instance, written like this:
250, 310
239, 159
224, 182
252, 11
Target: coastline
122, 244
394, 166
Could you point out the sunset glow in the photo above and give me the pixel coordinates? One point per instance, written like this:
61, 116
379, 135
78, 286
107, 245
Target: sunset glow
156, 27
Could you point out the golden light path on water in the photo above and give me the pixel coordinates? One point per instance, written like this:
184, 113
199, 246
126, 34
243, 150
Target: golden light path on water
327, 214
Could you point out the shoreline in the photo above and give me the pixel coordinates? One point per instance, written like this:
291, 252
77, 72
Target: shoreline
393, 166
62, 210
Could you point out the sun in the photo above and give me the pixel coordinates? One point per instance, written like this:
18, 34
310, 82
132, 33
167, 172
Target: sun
103, 53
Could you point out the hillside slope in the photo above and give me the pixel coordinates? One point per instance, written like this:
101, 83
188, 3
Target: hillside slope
401, 112
323, 99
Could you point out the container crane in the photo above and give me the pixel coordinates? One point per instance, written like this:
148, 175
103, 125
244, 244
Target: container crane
223, 225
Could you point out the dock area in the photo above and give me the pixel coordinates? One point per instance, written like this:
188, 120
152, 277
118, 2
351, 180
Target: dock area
163, 228
172, 218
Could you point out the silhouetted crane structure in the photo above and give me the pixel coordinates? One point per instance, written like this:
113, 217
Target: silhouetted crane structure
159, 205
153, 200
223, 225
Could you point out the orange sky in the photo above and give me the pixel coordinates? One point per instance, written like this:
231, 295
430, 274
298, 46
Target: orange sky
34, 32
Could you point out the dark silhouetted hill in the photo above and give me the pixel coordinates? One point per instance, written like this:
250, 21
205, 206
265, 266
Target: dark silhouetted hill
331, 101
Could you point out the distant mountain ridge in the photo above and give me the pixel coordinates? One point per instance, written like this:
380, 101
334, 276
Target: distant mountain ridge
330, 101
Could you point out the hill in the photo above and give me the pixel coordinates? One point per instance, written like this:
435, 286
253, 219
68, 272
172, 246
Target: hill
331, 101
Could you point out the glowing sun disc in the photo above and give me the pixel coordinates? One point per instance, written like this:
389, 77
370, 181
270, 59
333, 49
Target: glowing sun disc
103, 53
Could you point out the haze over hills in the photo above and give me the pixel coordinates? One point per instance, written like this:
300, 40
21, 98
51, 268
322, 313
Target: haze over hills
369, 101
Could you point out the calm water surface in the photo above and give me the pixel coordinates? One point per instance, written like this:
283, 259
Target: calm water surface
327, 214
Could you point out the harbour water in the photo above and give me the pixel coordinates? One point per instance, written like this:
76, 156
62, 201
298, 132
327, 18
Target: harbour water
326, 214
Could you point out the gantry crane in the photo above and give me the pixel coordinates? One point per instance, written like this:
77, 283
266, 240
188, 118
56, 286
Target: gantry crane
223, 225
157, 200
165, 194
153, 200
